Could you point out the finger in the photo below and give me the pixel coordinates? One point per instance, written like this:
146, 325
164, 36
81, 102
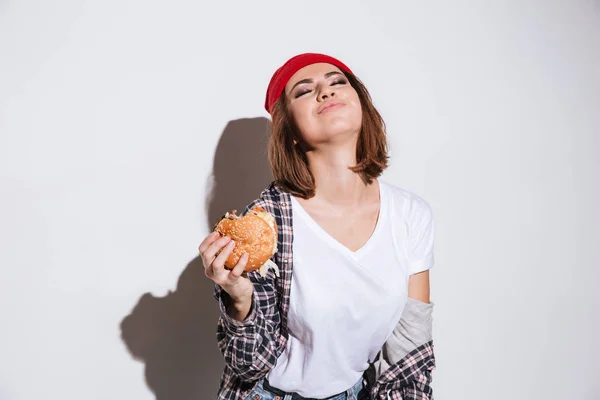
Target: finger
208, 240
212, 250
238, 270
218, 265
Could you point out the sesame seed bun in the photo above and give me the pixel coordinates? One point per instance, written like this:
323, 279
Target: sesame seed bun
254, 233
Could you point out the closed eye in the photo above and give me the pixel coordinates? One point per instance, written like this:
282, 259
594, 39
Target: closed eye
301, 93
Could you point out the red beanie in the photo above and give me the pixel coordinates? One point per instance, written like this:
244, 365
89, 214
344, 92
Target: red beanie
281, 77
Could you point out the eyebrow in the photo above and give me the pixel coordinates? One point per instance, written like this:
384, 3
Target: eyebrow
309, 80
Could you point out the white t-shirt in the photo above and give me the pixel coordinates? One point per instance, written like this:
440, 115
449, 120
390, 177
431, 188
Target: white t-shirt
343, 304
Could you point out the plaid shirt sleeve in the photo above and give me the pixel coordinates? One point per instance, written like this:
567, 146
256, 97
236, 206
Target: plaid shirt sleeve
249, 347
403, 368
408, 379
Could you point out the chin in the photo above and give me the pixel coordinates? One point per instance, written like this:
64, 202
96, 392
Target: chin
338, 132
333, 127
342, 124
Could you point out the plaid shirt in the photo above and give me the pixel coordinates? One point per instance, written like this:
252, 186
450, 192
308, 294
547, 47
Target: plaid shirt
251, 347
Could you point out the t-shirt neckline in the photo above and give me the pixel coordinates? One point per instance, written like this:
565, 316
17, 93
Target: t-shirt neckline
297, 207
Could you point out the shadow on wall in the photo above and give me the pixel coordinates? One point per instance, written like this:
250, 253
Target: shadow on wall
241, 168
174, 336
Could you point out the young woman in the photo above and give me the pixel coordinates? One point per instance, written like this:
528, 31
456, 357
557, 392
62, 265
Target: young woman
349, 315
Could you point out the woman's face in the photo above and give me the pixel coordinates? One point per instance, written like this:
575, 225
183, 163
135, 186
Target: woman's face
323, 104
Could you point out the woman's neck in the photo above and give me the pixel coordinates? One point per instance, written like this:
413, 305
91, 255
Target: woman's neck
337, 185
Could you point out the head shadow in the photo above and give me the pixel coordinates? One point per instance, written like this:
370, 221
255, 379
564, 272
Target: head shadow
240, 169
175, 335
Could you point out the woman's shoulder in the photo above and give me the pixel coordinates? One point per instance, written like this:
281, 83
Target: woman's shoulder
406, 200
270, 198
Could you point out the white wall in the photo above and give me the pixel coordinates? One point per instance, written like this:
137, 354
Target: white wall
113, 115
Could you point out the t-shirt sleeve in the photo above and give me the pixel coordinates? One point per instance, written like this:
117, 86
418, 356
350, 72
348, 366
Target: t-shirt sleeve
420, 236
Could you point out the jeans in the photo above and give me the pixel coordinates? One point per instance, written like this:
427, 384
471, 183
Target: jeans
356, 392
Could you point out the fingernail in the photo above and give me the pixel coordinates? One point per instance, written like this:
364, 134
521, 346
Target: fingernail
231, 244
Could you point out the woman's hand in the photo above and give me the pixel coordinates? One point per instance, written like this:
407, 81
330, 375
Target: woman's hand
238, 287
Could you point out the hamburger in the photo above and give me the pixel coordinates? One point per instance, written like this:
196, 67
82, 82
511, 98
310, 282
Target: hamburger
254, 233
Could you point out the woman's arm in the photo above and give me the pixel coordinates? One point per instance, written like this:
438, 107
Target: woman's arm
249, 346
248, 335
238, 310
418, 286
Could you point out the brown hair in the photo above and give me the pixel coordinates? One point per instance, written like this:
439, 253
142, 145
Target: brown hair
289, 163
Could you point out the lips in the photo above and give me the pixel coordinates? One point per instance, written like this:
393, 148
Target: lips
330, 105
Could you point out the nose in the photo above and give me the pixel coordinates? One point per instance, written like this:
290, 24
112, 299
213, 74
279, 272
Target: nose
326, 92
